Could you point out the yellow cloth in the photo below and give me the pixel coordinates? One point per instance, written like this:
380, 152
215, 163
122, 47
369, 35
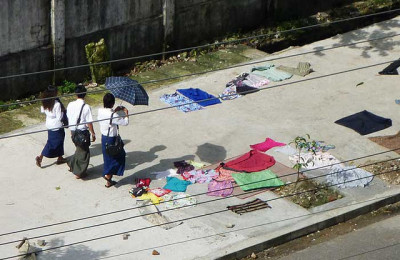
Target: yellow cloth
150, 196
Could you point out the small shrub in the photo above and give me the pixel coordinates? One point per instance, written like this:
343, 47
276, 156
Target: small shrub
67, 87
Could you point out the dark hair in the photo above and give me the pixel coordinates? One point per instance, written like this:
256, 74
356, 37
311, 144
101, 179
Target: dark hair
108, 100
48, 102
80, 91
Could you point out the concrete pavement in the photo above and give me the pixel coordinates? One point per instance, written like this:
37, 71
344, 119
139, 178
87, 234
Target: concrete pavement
34, 197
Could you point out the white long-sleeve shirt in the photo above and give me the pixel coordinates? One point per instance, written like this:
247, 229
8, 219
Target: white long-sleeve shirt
105, 113
53, 117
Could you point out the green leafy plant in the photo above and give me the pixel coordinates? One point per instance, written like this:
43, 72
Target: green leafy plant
67, 87
303, 144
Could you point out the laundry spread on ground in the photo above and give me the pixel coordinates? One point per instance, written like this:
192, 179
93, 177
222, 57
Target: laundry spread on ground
180, 200
348, 176
320, 160
175, 184
253, 205
220, 188
180, 102
302, 69
266, 145
270, 72
196, 94
252, 161
257, 180
365, 122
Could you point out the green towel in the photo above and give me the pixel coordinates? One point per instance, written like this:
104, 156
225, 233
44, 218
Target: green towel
270, 72
256, 180
303, 69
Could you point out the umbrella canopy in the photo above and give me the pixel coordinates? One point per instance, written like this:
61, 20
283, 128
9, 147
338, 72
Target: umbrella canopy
128, 90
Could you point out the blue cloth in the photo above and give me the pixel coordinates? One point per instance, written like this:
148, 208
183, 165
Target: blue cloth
112, 166
197, 94
176, 184
55, 144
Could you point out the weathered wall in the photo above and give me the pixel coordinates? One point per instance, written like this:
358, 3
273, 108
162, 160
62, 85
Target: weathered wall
129, 27
24, 46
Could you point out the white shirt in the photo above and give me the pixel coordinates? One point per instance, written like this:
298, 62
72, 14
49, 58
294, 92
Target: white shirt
73, 110
53, 117
105, 113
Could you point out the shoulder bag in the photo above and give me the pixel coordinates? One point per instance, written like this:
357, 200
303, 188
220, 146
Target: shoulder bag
115, 149
64, 119
81, 138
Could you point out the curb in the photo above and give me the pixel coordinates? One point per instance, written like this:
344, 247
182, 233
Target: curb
238, 254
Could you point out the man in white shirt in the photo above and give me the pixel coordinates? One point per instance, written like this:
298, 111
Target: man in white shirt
79, 162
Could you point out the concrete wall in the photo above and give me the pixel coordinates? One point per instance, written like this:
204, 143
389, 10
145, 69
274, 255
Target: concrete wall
24, 46
29, 43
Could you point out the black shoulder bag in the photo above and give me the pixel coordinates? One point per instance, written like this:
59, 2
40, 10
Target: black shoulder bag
81, 138
115, 149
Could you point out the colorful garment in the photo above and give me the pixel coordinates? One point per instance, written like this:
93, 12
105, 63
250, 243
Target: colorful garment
256, 180
252, 161
179, 200
266, 145
271, 73
159, 192
150, 196
200, 176
220, 188
175, 184
224, 174
196, 94
180, 102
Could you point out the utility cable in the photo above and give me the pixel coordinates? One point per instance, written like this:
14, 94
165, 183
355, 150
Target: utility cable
202, 46
210, 71
190, 218
194, 195
200, 203
215, 98
246, 228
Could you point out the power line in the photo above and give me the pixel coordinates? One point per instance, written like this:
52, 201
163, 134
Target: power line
249, 91
204, 202
203, 46
246, 228
189, 218
194, 195
210, 71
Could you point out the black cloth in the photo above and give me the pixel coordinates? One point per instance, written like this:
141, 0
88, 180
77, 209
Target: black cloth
391, 69
365, 122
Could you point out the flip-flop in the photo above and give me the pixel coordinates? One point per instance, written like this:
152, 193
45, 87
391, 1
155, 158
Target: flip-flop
58, 162
38, 162
109, 182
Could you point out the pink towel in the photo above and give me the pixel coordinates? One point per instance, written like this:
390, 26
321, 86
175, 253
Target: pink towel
266, 145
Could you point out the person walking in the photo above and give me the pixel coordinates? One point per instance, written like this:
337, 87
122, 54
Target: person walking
54, 147
109, 121
78, 109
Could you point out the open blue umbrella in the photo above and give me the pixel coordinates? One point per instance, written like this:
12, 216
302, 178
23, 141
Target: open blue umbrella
128, 90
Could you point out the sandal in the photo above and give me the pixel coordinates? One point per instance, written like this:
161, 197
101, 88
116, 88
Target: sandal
109, 182
38, 162
63, 160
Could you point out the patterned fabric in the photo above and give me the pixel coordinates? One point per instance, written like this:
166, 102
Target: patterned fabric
180, 102
220, 188
128, 90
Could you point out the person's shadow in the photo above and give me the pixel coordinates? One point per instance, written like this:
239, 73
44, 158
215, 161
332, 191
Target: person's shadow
133, 159
164, 165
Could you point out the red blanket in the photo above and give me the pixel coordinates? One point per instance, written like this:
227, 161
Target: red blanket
252, 161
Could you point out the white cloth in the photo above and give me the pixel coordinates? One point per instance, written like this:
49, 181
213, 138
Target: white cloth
287, 149
105, 113
73, 110
321, 160
164, 174
53, 117
348, 176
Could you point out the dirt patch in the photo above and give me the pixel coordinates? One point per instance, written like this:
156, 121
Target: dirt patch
391, 169
309, 193
328, 233
390, 142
